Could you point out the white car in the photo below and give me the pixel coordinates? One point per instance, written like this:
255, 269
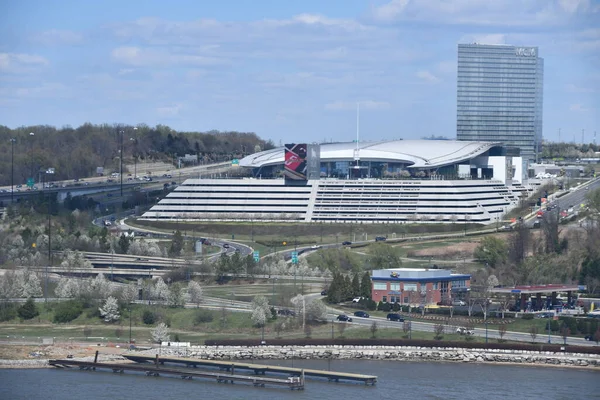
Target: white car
459, 303
315, 247
357, 299
464, 331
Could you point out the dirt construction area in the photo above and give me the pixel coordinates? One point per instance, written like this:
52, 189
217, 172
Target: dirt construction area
42, 352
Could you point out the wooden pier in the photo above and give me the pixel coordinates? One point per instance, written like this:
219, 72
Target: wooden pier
258, 369
292, 382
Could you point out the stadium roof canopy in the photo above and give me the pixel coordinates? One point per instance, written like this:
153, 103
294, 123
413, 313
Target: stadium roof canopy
416, 153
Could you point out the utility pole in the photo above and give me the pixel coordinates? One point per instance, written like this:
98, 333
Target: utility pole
582, 136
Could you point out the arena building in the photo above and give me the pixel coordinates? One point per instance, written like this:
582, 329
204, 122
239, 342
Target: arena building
381, 182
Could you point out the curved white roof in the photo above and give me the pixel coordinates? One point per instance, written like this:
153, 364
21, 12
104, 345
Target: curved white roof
418, 153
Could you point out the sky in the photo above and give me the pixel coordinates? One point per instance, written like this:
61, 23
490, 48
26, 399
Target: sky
287, 70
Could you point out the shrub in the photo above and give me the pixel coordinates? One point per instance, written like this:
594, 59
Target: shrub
386, 307
28, 310
527, 316
396, 307
8, 311
203, 316
67, 311
149, 317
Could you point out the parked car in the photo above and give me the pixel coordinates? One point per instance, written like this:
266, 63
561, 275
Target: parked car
361, 314
344, 318
589, 338
357, 299
346, 243
458, 303
324, 292
461, 330
395, 317
380, 238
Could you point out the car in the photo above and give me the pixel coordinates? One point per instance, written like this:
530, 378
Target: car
461, 330
361, 314
589, 338
380, 238
344, 318
357, 299
346, 243
324, 292
458, 303
315, 247
173, 183
395, 317
286, 312
225, 245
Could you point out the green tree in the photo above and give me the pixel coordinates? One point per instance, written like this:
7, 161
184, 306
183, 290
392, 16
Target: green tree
365, 285
382, 256
355, 285
28, 310
124, 243
176, 244
492, 251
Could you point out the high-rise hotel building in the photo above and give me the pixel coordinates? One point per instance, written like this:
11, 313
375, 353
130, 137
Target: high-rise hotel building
500, 96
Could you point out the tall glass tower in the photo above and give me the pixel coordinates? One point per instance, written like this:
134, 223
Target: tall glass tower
500, 96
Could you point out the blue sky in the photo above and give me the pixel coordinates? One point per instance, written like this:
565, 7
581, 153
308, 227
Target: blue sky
287, 70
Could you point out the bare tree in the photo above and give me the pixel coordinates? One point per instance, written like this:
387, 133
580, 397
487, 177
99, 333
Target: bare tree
533, 332
565, 332
373, 329
519, 243
406, 327
341, 328
438, 330
501, 332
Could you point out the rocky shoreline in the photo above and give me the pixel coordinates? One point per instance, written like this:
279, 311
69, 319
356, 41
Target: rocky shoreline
381, 353
375, 353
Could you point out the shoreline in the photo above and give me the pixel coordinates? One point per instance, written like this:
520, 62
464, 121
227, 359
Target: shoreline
354, 353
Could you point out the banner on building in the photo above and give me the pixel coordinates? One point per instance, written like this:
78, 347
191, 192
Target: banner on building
295, 162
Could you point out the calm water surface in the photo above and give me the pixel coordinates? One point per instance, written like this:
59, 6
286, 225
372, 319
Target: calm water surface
397, 380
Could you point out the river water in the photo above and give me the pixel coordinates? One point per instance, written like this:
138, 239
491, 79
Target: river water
396, 380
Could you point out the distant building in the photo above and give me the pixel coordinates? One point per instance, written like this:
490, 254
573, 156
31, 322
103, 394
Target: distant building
500, 96
418, 286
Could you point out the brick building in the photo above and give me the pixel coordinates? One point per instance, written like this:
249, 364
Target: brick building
418, 286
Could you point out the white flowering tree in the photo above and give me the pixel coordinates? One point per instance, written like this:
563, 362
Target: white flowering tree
129, 294
100, 287
195, 292
260, 310
75, 260
110, 310
316, 311
160, 291
160, 333
68, 288
300, 307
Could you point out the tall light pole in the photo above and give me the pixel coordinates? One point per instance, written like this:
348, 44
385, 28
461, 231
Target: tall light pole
130, 326
121, 158
31, 134
134, 140
12, 169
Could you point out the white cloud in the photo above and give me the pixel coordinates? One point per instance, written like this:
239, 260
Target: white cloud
169, 111
484, 12
494, 38
427, 76
21, 62
364, 104
54, 37
578, 108
572, 88
137, 56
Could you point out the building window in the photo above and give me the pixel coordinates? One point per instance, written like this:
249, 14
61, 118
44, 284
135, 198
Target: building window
435, 286
459, 284
410, 287
392, 299
379, 286
394, 286
384, 299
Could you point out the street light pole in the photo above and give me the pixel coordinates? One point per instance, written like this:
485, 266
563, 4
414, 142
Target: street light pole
12, 169
121, 158
129, 326
31, 134
134, 139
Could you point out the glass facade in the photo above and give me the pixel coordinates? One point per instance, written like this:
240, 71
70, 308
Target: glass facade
500, 96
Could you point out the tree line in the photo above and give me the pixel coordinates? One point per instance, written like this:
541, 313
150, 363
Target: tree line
77, 152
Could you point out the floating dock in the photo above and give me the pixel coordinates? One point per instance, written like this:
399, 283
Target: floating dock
258, 369
293, 382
